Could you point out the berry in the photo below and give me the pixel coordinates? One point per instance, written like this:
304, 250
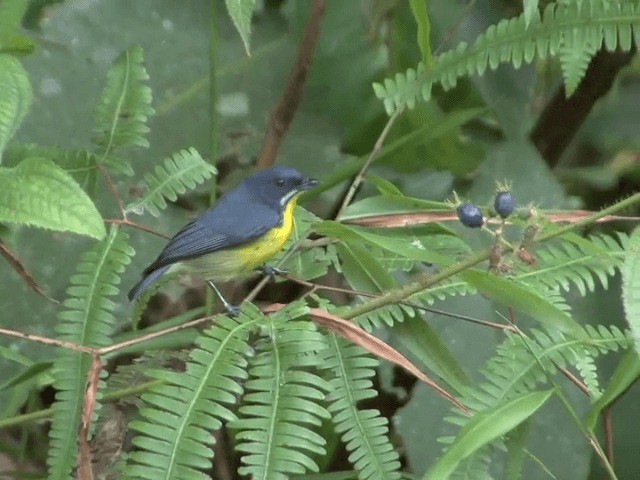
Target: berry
470, 215
504, 204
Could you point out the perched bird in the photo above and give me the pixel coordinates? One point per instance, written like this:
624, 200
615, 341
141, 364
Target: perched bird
247, 226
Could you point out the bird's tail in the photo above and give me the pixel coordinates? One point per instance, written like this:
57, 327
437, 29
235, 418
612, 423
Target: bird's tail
146, 282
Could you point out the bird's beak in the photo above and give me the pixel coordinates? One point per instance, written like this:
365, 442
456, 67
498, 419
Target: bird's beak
308, 184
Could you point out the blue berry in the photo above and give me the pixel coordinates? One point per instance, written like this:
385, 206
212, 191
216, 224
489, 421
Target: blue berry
504, 204
470, 215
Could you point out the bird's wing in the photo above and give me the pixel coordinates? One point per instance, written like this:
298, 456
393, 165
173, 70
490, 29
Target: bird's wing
214, 231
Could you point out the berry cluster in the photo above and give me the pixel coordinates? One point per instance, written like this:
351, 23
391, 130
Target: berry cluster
470, 214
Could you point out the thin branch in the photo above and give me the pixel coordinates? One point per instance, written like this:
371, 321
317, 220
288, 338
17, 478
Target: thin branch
283, 114
114, 190
21, 270
47, 341
139, 226
374, 153
608, 434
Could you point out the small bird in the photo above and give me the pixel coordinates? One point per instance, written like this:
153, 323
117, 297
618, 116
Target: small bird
246, 227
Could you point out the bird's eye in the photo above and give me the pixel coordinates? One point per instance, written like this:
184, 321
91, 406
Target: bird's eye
280, 182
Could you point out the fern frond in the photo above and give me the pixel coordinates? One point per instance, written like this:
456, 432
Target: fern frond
518, 40
182, 172
121, 113
15, 99
365, 432
176, 433
87, 320
567, 264
39, 193
520, 364
283, 401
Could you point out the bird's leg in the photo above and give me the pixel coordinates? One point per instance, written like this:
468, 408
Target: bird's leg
232, 310
271, 271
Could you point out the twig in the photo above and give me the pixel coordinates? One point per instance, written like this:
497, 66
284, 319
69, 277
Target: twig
139, 226
452, 31
608, 434
47, 341
348, 291
21, 270
374, 153
113, 189
283, 114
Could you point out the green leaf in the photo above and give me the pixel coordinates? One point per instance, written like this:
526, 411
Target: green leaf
484, 428
240, 12
631, 287
626, 374
523, 299
88, 320
530, 11
125, 105
424, 342
420, 13
182, 172
11, 13
39, 193
15, 99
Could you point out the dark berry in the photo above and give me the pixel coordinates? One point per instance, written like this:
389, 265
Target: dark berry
504, 204
470, 215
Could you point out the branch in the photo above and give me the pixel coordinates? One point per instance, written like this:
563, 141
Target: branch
21, 270
283, 114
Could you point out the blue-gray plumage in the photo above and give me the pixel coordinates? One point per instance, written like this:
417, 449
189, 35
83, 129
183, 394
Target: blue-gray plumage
228, 237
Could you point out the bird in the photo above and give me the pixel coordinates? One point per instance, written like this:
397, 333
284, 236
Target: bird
234, 238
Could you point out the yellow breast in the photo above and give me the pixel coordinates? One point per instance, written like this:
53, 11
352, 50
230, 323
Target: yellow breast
270, 244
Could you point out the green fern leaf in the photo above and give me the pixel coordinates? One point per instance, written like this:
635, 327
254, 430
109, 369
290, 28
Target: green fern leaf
122, 111
87, 320
282, 401
15, 99
39, 193
240, 12
365, 432
581, 264
176, 433
182, 172
519, 40
631, 287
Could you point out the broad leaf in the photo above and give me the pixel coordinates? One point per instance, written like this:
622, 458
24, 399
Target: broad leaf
39, 193
15, 97
486, 427
240, 12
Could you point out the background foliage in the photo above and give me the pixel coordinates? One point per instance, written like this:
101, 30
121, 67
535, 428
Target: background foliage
479, 94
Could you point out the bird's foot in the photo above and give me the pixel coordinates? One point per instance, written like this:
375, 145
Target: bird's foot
232, 310
272, 272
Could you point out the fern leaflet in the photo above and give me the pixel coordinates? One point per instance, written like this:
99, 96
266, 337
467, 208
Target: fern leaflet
87, 320
176, 433
519, 40
122, 111
283, 400
183, 171
365, 432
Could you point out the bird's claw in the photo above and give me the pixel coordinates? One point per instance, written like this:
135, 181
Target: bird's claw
272, 271
232, 310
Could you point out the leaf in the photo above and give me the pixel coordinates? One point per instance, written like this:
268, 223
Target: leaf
377, 347
87, 320
626, 374
521, 298
631, 287
176, 432
11, 13
240, 12
39, 193
485, 427
125, 104
15, 99
530, 11
420, 13
182, 172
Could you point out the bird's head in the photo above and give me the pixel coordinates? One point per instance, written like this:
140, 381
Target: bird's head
278, 185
